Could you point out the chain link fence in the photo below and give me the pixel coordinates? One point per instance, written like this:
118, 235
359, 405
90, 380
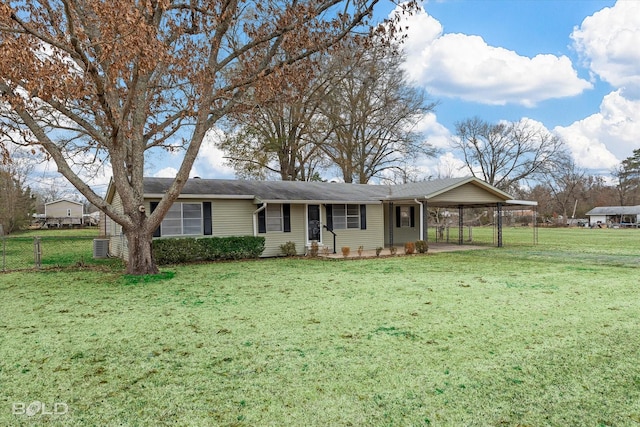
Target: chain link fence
29, 253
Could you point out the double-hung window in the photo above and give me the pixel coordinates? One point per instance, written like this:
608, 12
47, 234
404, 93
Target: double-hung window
346, 216
183, 219
274, 217
405, 216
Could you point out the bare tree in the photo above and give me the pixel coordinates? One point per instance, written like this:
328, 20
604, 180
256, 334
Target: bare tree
101, 83
599, 192
278, 136
370, 114
504, 154
566, 183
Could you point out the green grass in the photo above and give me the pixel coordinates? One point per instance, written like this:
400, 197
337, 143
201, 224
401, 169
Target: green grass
59, 232
58, 247
523, 335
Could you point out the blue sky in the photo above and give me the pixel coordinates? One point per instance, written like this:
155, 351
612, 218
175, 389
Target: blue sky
527, 28
570, 66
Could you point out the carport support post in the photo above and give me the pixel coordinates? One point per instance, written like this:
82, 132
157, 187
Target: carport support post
499, 221
425, 219
391, 224
535, 225
460, 225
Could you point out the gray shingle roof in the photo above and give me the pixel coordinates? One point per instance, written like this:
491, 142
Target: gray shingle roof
274, 190
614, 210
312, 191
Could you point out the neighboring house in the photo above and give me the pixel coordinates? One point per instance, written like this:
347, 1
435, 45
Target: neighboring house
63, 212
92, 218
302, 212
621, 216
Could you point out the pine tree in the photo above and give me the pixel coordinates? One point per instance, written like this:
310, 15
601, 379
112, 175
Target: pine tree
16, 203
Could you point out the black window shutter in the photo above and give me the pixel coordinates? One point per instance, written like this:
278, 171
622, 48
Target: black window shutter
262, 220
363, 217
329, 209
398, 217
153, 206
286, 217
206, 218
412, 213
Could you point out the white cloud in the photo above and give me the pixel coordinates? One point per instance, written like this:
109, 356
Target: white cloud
436, 134
602, 140
445, 165
449, 166
464, 66
167, 172
609, 41
210, 162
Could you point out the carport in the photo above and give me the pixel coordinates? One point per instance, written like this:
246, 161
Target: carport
407, 208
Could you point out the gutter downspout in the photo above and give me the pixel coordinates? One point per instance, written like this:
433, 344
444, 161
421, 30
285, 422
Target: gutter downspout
255, 218
421, 218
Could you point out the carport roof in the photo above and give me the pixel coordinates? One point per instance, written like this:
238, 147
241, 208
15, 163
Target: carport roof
430, 189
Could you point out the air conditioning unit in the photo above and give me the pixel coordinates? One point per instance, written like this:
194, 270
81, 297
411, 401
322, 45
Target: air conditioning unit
100, 248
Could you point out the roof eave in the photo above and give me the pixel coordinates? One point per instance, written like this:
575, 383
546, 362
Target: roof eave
476, 181
522, 202
317, 202
202, 196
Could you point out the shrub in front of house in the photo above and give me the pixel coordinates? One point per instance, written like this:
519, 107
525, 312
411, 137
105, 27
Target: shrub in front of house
234, 247
177, 251
289, 249
189, 249
422, 246
314, 249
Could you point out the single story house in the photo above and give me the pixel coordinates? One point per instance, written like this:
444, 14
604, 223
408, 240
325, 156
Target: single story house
332, 214
620, 216
63, 212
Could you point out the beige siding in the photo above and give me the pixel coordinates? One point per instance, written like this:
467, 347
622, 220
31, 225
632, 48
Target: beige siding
229, 217
235, 218
60, 209
117, 242
274, 239
468, 193
232, 217
402, 235
369, 239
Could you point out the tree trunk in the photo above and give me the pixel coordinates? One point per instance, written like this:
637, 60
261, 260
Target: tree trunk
141, 259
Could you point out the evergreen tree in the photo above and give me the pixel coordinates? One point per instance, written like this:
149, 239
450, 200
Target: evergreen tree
16, 203
628, 174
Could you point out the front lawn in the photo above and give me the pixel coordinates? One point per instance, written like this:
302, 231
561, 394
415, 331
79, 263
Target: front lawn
522, 335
